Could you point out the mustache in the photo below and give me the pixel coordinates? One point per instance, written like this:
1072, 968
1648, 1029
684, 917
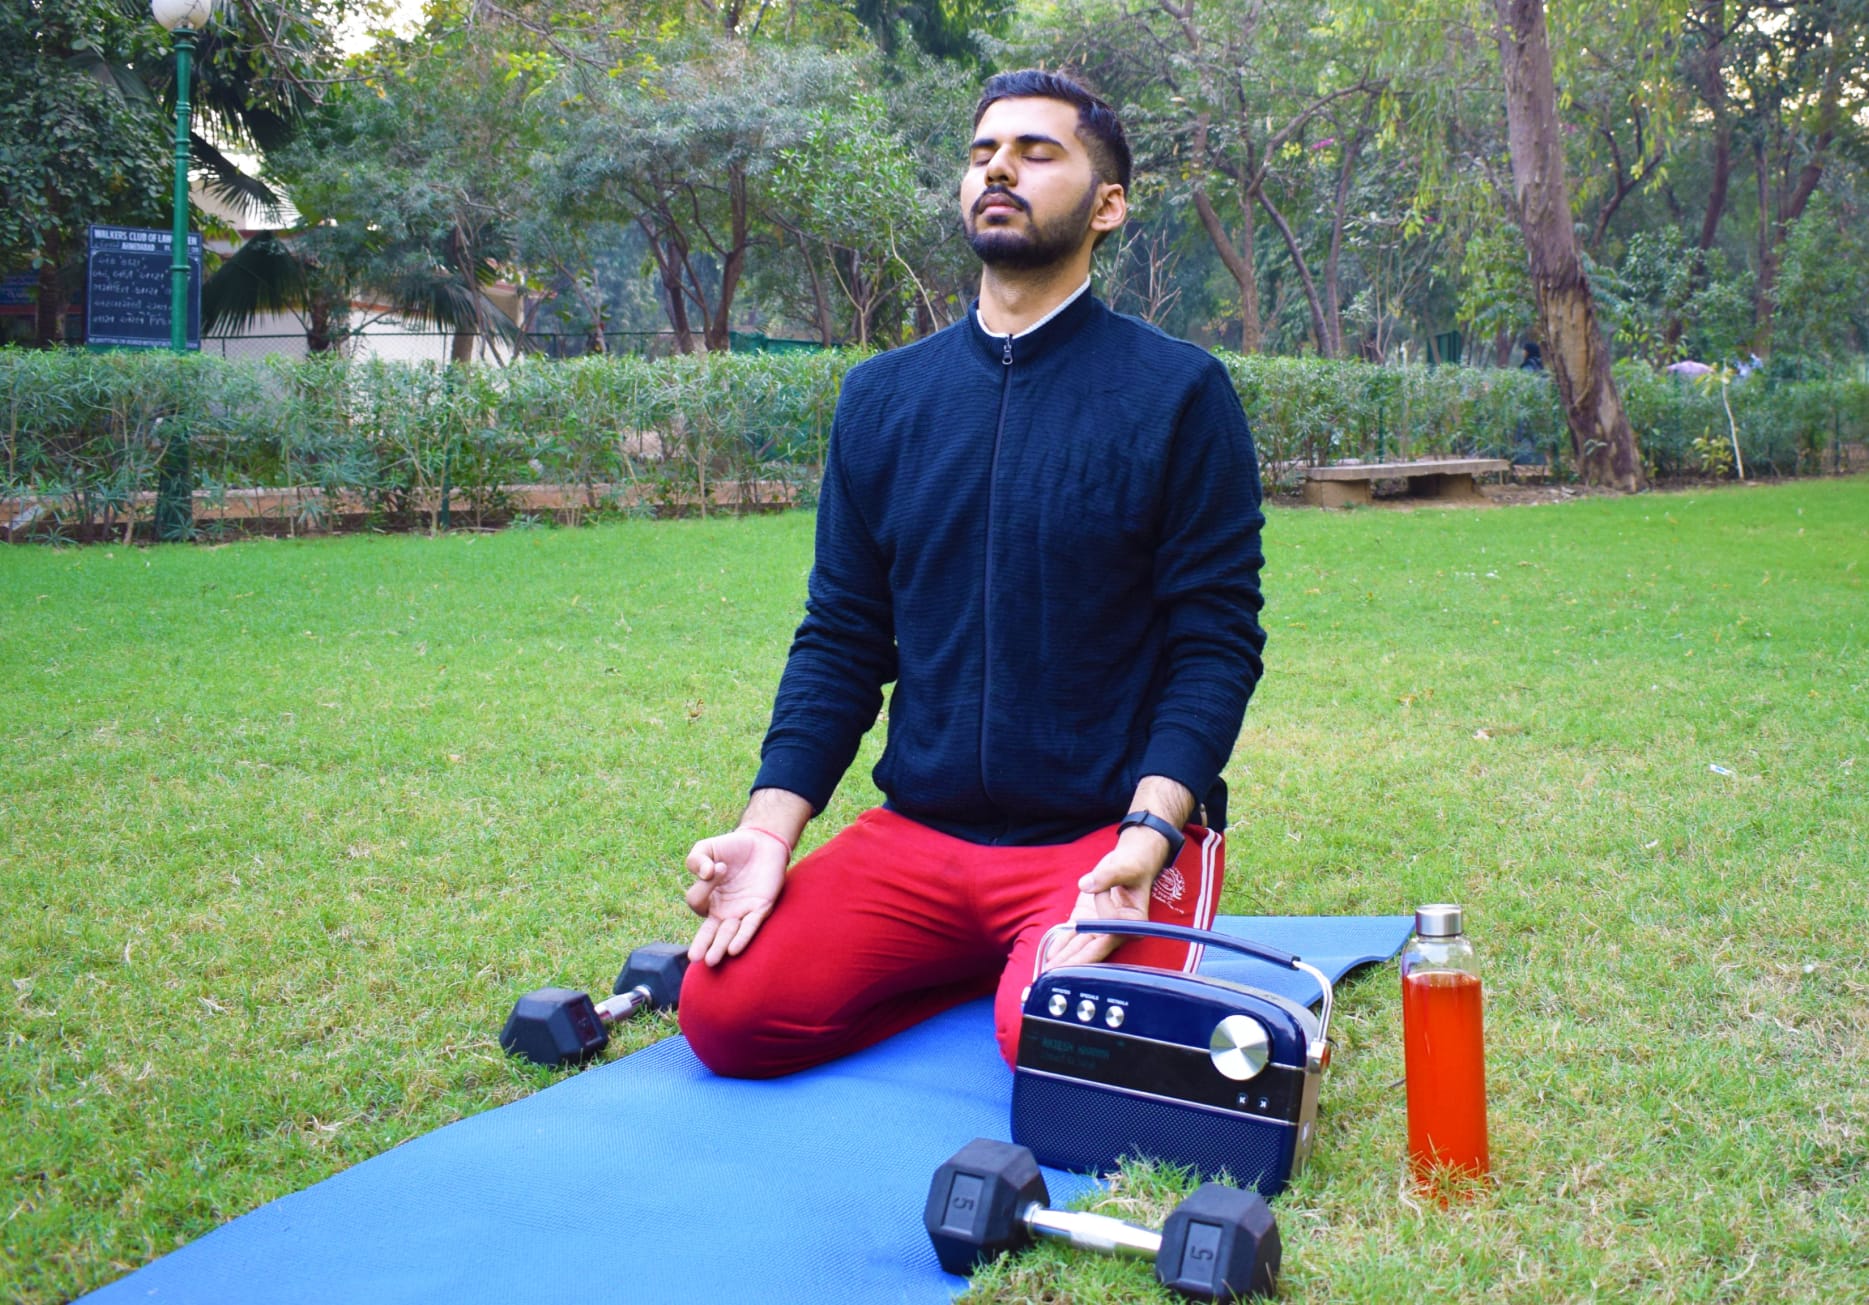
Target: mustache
999, 192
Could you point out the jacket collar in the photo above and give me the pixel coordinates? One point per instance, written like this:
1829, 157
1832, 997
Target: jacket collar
1040, 340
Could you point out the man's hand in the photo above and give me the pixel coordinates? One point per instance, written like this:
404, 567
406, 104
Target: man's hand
1117, 888
738, 877
737, 881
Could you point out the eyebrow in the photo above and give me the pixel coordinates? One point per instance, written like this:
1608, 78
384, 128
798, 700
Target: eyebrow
1030, 138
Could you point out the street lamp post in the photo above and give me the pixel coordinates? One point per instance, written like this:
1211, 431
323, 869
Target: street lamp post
175, 516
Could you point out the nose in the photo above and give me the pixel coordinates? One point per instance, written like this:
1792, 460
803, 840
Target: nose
999, 168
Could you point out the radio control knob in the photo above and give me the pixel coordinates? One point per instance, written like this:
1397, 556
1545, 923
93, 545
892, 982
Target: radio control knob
1087, 1009
1114, 1017
1058, 1004
1239, 1047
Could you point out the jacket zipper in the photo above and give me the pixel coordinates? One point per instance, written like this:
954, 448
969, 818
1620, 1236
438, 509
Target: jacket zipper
986, 603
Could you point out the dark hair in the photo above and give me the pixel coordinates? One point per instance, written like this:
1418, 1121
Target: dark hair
1097, 124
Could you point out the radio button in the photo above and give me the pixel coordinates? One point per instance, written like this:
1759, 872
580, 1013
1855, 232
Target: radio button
1058, 1004
1114, 1017
1087, 1009
1239, 1047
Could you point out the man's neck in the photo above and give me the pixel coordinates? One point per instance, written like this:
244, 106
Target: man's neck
1011, 301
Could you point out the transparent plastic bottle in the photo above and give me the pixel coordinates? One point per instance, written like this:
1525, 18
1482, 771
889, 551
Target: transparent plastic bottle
1443, 1045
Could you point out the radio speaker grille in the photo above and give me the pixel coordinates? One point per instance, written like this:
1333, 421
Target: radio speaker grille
1083, 1127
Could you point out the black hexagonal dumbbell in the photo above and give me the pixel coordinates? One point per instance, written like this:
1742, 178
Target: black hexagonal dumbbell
1221, 1243
554, 1026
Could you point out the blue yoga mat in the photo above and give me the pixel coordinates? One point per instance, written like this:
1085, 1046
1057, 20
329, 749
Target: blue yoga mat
650, 1179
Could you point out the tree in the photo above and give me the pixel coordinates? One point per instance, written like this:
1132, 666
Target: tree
1821, 308
848, 193
1575, 350
87, 103
79, 148
680, 150
1226, 97
1808, 96
409, 180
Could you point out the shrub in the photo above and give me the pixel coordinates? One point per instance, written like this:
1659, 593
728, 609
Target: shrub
397, 443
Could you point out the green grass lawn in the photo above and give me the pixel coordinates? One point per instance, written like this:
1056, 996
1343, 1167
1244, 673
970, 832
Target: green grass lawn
287, 826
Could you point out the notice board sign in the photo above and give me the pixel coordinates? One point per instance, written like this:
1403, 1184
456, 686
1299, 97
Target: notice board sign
127, 278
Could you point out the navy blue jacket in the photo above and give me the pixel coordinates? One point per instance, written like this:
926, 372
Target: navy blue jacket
1052, 548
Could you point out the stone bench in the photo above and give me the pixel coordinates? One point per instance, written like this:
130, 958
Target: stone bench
1446, 479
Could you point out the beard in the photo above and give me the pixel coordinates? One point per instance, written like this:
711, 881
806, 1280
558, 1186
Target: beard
1045, 244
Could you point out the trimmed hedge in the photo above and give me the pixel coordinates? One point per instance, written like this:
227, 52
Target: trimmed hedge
85, 430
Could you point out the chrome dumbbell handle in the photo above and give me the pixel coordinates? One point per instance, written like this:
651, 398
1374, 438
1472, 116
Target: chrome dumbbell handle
1092, 1232
623, 1005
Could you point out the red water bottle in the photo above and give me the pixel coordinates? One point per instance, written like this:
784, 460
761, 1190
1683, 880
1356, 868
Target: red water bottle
1443, 1045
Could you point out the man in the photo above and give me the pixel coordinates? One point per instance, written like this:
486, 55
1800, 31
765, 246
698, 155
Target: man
1042, 524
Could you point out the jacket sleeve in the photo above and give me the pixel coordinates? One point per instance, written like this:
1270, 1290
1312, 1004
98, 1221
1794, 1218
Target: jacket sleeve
843, 653
1207, 583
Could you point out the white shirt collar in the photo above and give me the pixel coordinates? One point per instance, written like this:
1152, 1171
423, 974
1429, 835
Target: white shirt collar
1019, 335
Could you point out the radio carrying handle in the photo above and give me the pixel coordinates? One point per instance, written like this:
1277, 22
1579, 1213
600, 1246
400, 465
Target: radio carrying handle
1319, 1051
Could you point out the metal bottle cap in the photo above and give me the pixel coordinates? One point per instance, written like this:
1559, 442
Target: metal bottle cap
1442, 920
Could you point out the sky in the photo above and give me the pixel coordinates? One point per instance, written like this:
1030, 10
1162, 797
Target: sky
400, 15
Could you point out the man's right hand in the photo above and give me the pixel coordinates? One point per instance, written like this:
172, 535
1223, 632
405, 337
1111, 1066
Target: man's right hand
737, 881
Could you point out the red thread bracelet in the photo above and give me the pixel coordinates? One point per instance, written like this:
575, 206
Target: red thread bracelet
755, 829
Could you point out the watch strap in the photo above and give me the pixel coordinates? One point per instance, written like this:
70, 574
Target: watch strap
1149, 820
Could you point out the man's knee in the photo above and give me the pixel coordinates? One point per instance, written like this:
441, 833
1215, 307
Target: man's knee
728, 1026
720, 1021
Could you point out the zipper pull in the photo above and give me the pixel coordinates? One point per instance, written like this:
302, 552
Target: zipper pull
1006, 357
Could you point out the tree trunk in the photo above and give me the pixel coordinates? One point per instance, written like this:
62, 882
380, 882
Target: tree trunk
820, 302
1252, 333
668, 264
320, 337
1339, 215
49, 315
1791, 203
1791, 207
1709, 75
1574, 348
732, 264
1319, 334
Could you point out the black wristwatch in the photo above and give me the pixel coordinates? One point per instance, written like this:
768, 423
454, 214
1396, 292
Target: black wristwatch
1149, 820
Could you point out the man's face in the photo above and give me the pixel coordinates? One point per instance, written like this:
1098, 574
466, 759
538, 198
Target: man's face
1028, 194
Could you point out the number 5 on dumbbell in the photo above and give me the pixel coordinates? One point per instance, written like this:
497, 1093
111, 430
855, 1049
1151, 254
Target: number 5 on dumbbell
555, 1026
1221, 1243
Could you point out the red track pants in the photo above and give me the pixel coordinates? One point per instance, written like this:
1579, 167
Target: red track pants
891, 922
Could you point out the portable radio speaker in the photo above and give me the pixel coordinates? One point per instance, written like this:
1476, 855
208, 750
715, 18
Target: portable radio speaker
1120, 1060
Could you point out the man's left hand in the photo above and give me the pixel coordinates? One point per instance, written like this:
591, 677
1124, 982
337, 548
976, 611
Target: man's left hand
1117, 888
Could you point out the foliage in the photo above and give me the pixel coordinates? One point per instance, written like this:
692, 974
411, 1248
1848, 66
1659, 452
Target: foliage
75, 148
409, 181
1821, 297
87, 112
82, 431
382, 439
850, 192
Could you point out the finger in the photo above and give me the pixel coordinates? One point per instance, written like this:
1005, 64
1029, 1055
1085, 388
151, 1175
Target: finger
1089, 948
1122, 903
1078, 949
724, 931
698, 895
703, 937
749, 925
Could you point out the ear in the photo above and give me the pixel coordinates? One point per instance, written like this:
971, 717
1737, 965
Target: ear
1111, 208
